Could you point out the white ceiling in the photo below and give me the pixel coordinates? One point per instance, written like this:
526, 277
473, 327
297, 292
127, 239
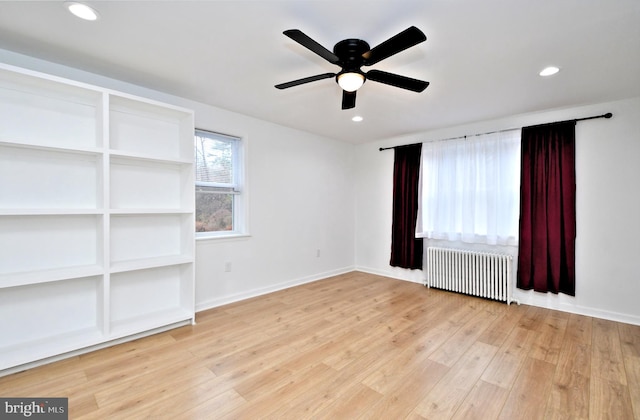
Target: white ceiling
482, 58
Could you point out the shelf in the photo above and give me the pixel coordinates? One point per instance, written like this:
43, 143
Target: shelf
39, 243
55, 149
45, 311
149, 211
39, 178
135, 237
144, 128
145, 263
149, 157
139, 184
66, 115
147, 293
15, 355
49, 212
46, 276
159, 319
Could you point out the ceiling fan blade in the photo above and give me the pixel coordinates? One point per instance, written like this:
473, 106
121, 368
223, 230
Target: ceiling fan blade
400, 42
304, 40
397, 80
348, 99
305, 80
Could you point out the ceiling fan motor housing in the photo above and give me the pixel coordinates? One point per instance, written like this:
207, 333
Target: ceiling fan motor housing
350, 52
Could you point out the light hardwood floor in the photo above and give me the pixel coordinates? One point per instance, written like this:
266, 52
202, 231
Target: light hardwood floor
357, 346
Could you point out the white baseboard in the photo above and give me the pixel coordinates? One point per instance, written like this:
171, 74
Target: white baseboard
555, 302
413, 276
236, 297
530, 298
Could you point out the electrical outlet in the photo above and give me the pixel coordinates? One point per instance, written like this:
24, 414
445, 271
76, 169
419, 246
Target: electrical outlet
227, 267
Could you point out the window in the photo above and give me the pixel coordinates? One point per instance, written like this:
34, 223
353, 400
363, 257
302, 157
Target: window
219, 181
470, 189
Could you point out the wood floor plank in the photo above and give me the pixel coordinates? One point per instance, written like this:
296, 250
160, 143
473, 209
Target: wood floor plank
632, 370
609, 399
550, 337
485, 401
629, 339
131, 386
18, 385
173, 406
453, 349
253, 355
533, 318
445, 398
251, 384
276, 401
569, 397
140, 394
324, 392
413, 358
400, 401
108, 370
357, 346
508, 317
217, 406
505, 366
350, 404
607, 362
579, 329
530, 392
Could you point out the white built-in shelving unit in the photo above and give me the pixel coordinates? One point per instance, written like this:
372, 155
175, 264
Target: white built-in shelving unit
96, 217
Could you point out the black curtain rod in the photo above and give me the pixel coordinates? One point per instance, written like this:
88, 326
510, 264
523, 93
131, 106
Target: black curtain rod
607, 115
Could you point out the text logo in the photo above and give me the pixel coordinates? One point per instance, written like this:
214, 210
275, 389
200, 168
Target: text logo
34, 408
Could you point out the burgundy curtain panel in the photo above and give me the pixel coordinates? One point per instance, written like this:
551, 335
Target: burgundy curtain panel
406, 249
546, 255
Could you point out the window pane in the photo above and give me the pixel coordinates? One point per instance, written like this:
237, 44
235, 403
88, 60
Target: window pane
214, 158
218, 182
214, 211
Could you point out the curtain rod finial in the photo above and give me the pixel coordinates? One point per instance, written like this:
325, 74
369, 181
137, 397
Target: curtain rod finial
608, 115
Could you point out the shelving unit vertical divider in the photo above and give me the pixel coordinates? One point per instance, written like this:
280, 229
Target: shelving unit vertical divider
187, 237
104, 306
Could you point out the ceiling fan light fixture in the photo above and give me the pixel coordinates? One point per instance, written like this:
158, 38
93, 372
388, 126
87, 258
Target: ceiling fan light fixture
549, 71
350, 81
82, 10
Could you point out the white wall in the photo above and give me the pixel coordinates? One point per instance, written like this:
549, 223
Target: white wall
301, 200
608, 208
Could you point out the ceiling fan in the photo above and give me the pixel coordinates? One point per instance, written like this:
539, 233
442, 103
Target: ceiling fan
352, 54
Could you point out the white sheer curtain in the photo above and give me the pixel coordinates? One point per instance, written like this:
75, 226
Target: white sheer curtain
470, 189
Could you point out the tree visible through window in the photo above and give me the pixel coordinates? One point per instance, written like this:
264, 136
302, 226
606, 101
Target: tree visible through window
218, 181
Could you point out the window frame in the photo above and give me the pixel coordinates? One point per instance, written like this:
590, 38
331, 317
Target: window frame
237, 189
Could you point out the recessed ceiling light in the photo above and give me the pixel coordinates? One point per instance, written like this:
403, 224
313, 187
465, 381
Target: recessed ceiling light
549, 71
357, 118
82, 10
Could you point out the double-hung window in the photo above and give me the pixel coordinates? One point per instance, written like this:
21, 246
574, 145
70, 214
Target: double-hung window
219, 182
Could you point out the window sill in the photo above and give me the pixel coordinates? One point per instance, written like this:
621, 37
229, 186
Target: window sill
223, 237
